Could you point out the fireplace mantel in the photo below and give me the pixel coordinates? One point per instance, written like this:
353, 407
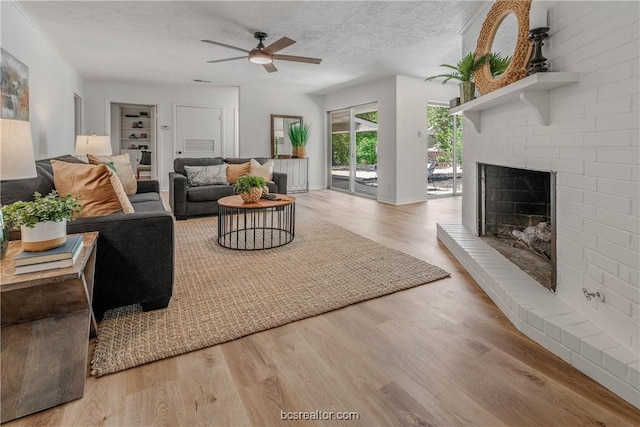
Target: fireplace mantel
532, 90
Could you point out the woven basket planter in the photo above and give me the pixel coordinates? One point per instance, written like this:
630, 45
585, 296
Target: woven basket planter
299, 152
252, 196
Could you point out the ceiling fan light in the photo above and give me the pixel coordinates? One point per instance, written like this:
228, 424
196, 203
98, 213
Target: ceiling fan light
259, 57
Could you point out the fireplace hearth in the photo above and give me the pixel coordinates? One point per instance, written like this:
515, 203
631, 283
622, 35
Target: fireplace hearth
509, 201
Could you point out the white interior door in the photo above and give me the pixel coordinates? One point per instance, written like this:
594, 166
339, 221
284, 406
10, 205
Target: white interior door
198, 131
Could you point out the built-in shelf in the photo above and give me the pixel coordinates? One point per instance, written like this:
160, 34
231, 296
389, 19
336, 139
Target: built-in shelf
532, 90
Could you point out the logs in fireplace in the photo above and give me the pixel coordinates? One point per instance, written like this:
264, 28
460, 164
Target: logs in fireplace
517, 207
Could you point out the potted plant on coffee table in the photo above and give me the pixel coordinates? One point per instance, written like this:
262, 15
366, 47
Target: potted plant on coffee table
250, 188
299, 136
463, 71
42, 221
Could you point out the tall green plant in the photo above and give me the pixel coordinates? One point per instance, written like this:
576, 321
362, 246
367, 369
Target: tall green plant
463, 71
298, 134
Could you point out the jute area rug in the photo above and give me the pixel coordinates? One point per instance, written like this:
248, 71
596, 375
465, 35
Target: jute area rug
223, 294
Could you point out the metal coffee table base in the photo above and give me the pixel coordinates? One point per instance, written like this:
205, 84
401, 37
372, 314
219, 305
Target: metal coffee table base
256, 228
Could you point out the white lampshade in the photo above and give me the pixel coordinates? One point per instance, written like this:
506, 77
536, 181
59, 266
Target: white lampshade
93, 144
17, 160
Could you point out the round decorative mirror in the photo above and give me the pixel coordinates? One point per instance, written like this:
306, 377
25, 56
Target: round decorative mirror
503, 18
504, 42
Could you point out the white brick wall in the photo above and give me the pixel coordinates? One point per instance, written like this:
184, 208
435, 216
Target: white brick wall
592, 143
545, 318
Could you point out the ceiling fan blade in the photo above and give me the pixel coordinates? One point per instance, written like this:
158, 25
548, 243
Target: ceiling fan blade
225, 45
225, 60
279, 45
297, 59
270, 67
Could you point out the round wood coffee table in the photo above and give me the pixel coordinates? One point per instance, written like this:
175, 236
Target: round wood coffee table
264, 224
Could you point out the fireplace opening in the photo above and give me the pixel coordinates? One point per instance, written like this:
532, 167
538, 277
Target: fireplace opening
516, 216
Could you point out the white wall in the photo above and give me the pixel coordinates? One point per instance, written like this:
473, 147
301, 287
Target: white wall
98, 95
411, 140
256, 107
592, 144
52, 82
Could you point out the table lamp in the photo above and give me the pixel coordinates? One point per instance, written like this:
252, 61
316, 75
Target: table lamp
93, 144
17, 161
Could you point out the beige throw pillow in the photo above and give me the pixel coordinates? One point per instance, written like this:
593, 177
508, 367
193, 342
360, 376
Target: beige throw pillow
236, 171
97, 185
265, 171
127, 207
122, 163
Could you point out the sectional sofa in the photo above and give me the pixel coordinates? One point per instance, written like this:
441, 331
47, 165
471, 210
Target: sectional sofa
135, 253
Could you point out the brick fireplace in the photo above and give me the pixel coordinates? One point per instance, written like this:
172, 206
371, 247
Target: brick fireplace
512, 199
591, 143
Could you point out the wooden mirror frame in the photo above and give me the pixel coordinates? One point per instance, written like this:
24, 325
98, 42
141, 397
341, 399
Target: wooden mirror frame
273, 131
517, 69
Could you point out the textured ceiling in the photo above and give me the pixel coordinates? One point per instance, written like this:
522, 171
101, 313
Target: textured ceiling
158, 42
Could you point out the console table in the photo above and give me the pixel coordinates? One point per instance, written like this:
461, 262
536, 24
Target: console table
297, 171
46, 320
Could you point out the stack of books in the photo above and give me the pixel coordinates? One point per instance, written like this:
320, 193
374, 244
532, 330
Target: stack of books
60, 257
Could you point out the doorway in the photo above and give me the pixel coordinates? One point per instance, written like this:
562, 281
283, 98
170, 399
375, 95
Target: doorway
354, 150
134, 132
444, 152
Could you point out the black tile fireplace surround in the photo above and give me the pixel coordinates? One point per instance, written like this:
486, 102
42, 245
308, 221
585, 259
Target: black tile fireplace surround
513, 199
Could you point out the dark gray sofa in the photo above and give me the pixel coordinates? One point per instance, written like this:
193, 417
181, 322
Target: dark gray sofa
188, 201
135, 253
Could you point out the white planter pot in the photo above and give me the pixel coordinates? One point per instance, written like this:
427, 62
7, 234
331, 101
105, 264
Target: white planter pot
44, 236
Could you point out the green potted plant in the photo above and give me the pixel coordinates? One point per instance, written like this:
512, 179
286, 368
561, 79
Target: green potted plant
463, 71
250, 188
42, 221
298, 135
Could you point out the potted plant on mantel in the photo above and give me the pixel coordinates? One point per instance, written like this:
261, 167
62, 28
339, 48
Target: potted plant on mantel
42, 221
463, 71
299, 135
250, 188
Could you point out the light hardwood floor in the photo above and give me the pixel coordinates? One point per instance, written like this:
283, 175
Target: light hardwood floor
438, 354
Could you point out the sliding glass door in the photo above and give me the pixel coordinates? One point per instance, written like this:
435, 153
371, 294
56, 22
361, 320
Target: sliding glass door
354, 144
444, 152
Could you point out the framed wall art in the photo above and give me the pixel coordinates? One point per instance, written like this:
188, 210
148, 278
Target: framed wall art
14, 77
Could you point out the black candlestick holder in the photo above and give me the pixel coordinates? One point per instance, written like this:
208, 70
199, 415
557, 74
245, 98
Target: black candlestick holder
537, 63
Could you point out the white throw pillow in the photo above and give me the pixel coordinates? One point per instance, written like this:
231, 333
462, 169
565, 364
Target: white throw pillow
206, 175
265, 171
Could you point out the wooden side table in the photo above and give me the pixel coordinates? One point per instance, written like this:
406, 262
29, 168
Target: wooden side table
46, 321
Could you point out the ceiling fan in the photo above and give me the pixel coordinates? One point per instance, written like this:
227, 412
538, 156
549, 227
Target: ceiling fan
265, 55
